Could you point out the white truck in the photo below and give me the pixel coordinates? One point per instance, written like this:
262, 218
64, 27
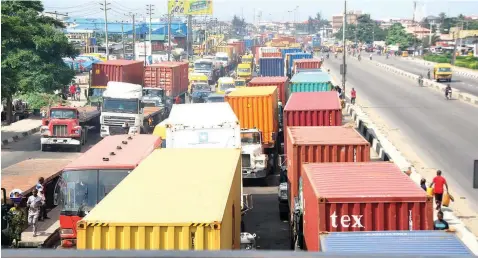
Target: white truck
223, 58
206, 67
123, 110
206, 125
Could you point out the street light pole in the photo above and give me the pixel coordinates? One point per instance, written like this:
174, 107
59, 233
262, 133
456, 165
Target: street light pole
169, 35
105, 5
344, 69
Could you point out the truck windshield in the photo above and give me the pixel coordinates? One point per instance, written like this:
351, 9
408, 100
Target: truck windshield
201, 86
248, 138
120, 105
215, 99
96, 92
244, 70
222, 58
225, 86
63, 114
153, 93
444, 70
240, 83
246, 60
203, 66
81, 190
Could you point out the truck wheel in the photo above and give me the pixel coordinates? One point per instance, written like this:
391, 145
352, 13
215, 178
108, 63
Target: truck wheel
43, 147
284, 216
78, 148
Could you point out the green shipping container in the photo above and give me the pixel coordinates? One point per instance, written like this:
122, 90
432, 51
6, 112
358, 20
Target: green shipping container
310, 82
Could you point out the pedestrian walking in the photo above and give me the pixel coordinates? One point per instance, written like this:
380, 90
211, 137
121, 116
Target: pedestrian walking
18, 223
72, 90
78, 92
423, 184
41, 187
439, 181
440, 223
34, 203
353, 96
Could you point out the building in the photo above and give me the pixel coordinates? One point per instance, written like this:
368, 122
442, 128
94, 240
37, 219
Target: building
418, 31
387, 23
337, 20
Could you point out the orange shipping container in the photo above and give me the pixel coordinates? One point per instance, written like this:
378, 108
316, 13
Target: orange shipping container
256, 107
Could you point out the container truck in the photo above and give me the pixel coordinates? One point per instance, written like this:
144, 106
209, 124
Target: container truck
310, 82
165, 81
123, 110
316, 43
289, 50
208, 68
201, 190
307, 65
365, 196
113, 70
256, 109
68, 126
271, 66
291, 57
244, 71
89, 178
371, 243
281, 82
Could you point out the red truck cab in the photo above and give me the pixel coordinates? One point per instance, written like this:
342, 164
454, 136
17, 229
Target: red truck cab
89, 178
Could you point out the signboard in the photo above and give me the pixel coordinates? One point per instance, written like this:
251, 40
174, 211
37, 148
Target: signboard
190, 7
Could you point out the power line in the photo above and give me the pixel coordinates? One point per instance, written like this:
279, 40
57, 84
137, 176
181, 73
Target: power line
70, 7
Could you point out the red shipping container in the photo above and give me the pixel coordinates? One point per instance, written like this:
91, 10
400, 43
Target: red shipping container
118, 71
313, 109
307, 64
170, 76
282, 84
366, 196
321, 144
277, 54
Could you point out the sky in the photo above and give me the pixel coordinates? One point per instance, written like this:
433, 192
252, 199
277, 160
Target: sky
272, 10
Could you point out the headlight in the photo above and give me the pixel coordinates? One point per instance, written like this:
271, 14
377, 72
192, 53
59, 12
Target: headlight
66, 231
44, 130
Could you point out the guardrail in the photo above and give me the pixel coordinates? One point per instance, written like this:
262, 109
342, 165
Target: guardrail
188, 254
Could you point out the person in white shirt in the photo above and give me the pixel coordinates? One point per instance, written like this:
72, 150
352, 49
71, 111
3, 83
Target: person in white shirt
34, 203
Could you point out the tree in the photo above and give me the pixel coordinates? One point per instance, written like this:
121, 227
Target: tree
310, 25
366, 30
398, 35
427, 43
32, 51
238, 25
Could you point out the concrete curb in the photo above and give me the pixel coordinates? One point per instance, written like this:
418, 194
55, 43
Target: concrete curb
456, 69
462, 96
388, 152
20, 135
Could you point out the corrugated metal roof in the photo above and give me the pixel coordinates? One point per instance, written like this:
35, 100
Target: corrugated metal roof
439, 243
269, 79
206, 114
129, 156
328, 100
311, 77
325, 135
172, 186
378, 180
253, 91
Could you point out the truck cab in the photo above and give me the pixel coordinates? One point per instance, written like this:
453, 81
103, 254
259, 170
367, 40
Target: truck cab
244, 71
153, 97
223, 58
225, 83
95, 95
122, 109
205, 67
254, 161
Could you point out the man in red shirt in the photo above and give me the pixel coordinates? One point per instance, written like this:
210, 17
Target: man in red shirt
353, 95
72, 91
439, 181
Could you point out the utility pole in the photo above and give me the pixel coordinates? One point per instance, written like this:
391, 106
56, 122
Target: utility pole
414, 11
105, 8
430, 36
189, 35
144, 44
122, 39
132, 15
457, 33
169, 35
343, 69
150, 7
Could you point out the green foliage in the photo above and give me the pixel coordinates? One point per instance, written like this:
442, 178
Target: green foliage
366, 30
398, 35
461, 61
40, 100
32, 50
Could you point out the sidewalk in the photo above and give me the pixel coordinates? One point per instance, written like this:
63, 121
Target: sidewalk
25, 127
48, 231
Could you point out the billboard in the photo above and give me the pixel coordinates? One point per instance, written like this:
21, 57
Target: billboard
190, 7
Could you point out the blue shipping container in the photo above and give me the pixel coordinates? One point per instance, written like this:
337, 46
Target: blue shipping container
285, 51
316, 41
415, 243
271, 66
294, 56
249, 43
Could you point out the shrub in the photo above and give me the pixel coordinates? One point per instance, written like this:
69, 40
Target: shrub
39, 100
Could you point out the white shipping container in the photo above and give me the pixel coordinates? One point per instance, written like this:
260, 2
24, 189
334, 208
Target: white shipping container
204, 125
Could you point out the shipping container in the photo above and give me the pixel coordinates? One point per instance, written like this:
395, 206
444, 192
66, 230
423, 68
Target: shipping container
313, 109
210, 125
249, 43
277, 55
117, 70
271, 67
170, 76
363, 196
256, 107
230, 50
289, 50
413, 243
304, 64
281, 82
310, 82
290, 58
192, 205
321, 144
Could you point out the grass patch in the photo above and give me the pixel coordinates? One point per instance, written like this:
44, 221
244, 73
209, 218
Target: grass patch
461, 61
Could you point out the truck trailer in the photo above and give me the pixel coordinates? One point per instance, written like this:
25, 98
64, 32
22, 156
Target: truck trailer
68, 126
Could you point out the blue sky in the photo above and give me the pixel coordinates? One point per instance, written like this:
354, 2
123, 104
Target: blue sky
276, 10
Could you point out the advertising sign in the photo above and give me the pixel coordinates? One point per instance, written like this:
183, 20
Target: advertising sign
190, 7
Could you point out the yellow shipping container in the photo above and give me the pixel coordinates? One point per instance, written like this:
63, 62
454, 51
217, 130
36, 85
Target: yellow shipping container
257, 107
226, 49
169, 204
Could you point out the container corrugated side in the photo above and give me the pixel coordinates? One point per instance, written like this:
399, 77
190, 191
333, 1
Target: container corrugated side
192, 221
285, 51
321, 145
366, 196
309, 87
307, 64
117, 70
271, 66
295, 56
422, 242
281, 82
170, 76
257, 111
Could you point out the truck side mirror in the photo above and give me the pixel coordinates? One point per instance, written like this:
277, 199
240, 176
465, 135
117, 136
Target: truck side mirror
142, 105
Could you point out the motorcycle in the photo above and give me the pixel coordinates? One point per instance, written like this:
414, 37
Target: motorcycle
448, 94
359, 57
420, 81
370, 58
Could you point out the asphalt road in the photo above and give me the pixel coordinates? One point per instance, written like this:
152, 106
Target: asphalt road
29, 147
444, 134
460, 82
